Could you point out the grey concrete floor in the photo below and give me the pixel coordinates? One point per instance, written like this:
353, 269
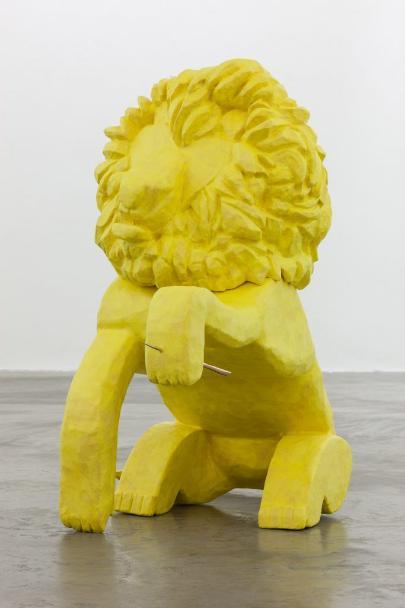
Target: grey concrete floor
201, 556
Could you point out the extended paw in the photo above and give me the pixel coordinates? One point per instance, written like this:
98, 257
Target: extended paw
288, 518
137, 504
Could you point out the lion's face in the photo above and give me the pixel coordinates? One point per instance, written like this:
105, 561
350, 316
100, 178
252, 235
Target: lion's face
215, 181
165, 177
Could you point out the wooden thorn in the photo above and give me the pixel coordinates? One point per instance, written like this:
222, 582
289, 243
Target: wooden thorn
217, 370
154, 347
213, 368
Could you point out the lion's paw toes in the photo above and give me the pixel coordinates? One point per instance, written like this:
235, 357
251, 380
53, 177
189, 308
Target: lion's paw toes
288, 518
84, 524
138, 504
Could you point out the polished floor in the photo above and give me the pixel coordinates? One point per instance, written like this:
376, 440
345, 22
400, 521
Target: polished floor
201, 556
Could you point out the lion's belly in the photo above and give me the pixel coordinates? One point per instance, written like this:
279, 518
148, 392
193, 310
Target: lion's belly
254, 401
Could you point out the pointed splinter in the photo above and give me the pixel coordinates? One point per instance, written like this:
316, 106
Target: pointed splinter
213, 368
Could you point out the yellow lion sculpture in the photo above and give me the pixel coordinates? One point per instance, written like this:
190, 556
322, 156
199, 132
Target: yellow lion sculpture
213, 199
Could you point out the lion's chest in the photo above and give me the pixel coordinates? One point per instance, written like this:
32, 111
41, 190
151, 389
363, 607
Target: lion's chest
254, 401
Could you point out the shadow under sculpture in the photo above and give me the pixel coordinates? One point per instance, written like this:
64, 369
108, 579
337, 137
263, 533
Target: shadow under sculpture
213, 200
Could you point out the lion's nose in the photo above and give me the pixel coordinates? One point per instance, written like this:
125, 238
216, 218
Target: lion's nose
152, 190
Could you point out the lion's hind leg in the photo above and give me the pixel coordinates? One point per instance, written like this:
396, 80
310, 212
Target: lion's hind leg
308, 475
170, 464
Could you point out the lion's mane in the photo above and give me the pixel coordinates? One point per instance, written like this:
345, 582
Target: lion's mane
262, 216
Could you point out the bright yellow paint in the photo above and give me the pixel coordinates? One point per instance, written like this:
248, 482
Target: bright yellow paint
213, 200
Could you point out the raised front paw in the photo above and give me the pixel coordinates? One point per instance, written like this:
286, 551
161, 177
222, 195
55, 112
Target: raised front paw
176, 330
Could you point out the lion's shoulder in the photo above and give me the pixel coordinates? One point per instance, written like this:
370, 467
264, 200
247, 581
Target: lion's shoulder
125, 305
286, 336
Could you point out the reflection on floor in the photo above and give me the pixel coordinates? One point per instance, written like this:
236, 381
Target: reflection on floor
201, 556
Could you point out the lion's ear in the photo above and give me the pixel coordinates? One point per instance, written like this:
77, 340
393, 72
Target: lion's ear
124, 304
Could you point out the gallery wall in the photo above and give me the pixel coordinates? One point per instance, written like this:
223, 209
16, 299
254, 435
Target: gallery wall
69, 69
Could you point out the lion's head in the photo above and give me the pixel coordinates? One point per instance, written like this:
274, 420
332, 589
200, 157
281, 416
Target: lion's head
214, 181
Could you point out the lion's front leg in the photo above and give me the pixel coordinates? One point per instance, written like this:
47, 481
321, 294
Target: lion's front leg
90, 427
176, 326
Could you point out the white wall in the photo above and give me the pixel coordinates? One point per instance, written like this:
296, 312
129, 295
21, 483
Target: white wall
68, 69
